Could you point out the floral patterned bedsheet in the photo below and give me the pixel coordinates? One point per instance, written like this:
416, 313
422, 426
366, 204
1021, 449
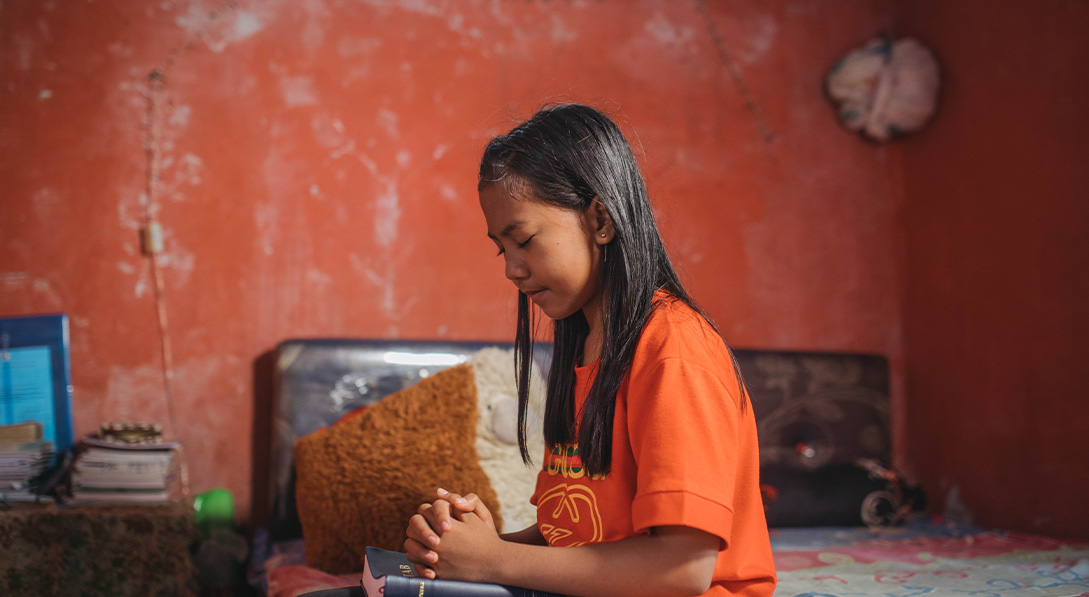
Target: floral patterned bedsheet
926, 558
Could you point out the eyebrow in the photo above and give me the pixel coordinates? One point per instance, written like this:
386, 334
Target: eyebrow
510, 227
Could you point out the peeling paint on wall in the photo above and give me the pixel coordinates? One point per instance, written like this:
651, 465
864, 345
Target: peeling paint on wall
387, 214
142, 284
130, 210
666, 33
298, 91
317, 18
318, 278
45, 295
179, 116
180, 261
329, 132
221, 27
388, 120
384, 284
762, 37
13, 282
190, 170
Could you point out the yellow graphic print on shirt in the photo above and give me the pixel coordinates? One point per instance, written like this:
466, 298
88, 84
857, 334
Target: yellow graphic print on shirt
571, 508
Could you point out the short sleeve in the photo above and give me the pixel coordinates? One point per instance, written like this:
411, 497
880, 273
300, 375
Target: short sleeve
683, 424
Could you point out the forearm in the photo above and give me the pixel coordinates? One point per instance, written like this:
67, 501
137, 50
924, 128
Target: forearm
674, 561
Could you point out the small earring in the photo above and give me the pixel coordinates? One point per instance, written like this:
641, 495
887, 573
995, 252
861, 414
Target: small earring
602, 235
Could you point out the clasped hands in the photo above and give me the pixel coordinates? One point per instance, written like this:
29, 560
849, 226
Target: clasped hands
453, 537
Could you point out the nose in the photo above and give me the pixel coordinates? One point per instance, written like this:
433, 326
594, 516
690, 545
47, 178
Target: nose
514, 268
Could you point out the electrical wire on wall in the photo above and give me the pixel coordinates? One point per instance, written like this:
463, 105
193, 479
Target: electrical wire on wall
151, 233
766, 134
152, 243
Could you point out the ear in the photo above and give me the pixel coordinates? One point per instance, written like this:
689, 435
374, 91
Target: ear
599, 223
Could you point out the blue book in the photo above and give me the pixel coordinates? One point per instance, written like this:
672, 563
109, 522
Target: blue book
390, 574
35, 376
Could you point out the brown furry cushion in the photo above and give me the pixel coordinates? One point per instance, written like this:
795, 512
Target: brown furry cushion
358, 483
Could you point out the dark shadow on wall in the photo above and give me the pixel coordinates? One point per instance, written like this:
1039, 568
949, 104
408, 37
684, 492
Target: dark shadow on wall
264, 371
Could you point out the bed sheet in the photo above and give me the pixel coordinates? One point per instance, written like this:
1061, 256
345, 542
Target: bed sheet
926, 557
923, 557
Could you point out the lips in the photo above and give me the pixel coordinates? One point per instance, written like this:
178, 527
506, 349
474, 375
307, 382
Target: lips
532, 293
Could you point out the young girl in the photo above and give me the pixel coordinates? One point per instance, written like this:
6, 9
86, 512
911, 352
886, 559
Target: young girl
650, 482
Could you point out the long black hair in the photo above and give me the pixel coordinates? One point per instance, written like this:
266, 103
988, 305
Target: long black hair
567, 155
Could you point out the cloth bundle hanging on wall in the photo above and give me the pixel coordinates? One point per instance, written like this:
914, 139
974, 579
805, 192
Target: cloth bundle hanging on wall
885, 89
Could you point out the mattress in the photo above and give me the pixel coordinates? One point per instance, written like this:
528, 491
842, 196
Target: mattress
923, 557
926, 557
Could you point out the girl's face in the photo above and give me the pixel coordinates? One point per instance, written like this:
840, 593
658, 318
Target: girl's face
550, 253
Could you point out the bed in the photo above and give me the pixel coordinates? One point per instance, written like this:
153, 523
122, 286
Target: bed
843, 523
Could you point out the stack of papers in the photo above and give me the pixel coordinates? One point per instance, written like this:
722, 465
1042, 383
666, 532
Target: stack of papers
23, 457
109, 472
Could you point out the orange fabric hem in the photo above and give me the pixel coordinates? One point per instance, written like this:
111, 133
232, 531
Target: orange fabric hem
680, 508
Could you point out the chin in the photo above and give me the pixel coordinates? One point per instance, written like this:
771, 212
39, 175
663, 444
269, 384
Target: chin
553, 316
554, 312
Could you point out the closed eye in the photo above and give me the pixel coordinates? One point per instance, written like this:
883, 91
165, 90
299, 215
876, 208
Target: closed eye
520, 245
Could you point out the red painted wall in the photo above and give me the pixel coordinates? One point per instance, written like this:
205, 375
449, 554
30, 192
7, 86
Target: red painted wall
995, 265
317, 174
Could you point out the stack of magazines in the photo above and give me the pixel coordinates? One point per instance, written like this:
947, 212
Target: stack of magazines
123, 473
24, 456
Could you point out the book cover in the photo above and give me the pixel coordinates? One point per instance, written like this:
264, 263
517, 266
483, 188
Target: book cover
390, 574
111, 454
115, 472
35, 375
84, 495
21, 433
8, 494
25, 460
134, 463
36, 446
120, 483
129, 447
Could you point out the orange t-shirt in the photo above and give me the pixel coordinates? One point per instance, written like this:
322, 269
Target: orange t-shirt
684, 453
